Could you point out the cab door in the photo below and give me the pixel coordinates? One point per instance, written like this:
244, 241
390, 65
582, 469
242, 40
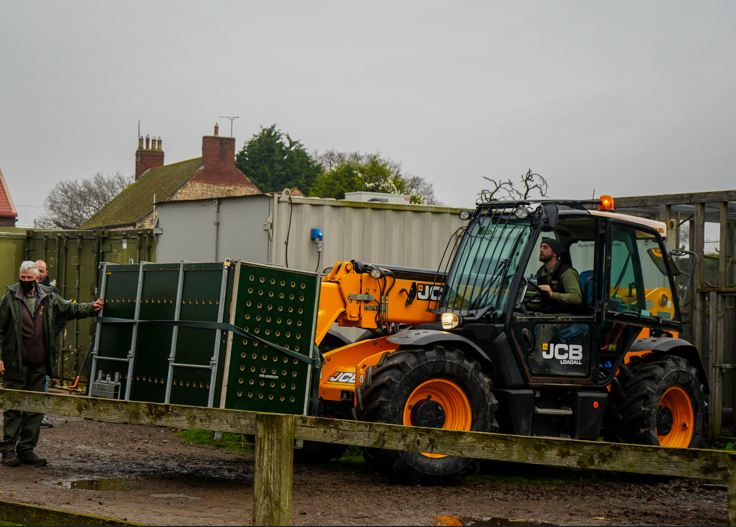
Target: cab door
557, 346
638, 289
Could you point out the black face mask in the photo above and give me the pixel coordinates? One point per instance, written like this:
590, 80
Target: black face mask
27, 286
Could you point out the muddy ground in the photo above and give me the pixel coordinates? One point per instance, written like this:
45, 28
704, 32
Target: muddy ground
174, 482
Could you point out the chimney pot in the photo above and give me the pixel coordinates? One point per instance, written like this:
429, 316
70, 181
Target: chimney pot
150, 157
217, 128
160, 143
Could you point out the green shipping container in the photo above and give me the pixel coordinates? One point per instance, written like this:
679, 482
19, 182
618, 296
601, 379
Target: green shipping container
73, 259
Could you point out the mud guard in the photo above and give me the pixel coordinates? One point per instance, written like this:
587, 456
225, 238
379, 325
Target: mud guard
425, 337
678, 348
333, 340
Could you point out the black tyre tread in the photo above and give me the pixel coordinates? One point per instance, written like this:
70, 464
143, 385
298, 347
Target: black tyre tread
382, 398
636, 393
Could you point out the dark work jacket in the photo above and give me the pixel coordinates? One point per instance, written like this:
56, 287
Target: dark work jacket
11, 325
34, 341
554, 281
60, 321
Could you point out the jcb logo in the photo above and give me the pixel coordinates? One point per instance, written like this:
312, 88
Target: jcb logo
572, 352
429, 292
343, 377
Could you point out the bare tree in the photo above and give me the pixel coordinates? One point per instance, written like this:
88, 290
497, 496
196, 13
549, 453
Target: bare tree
331, 159
70, 203
421, 190
501, 190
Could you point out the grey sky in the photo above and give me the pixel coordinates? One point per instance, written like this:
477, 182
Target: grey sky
626, 98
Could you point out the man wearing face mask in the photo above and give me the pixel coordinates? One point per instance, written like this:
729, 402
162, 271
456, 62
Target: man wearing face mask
27, 351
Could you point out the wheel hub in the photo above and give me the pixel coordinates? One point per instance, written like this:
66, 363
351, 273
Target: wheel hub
665, 420
428, 413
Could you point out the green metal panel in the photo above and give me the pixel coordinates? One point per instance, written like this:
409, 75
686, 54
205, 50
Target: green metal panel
12, 245
274, 304
280, 306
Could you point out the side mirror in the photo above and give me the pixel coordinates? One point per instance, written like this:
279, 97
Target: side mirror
548, 219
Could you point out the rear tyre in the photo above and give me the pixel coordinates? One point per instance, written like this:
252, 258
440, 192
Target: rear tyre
657, 400
437, 388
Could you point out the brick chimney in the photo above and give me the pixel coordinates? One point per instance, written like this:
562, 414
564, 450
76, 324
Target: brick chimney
149, 157
218, 160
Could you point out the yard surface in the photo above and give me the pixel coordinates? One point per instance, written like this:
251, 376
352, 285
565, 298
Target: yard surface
175, 482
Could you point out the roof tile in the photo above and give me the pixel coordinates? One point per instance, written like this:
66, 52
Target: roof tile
136, 201
7, 207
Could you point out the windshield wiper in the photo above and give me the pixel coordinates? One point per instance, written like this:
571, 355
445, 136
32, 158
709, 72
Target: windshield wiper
498, 272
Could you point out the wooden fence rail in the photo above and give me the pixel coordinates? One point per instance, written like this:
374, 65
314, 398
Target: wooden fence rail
276, 433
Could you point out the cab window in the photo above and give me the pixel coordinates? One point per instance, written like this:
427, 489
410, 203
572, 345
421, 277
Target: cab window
639, 280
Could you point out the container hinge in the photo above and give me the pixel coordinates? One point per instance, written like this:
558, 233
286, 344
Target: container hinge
268, 226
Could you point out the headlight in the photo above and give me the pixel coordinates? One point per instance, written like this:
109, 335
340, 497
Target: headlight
376, 273
464, 215
450, 320
521, 212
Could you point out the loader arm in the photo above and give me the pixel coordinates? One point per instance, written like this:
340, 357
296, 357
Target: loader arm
354, 299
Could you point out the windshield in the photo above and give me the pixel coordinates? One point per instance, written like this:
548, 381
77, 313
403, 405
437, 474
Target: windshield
485, 264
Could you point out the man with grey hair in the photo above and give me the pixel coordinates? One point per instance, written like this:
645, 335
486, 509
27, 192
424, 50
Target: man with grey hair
27, 351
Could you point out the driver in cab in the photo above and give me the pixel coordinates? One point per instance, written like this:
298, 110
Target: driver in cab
559, 284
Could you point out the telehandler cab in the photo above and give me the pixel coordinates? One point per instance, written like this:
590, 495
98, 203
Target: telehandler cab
459, 349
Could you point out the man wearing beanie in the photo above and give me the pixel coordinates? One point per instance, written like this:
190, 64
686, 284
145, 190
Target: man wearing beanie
559, 283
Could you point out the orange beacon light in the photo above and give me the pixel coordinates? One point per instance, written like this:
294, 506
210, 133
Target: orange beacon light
605, 203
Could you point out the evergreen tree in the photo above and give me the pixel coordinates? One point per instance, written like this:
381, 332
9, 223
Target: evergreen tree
273, 161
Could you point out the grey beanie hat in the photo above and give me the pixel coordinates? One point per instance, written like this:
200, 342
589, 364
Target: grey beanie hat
554, 245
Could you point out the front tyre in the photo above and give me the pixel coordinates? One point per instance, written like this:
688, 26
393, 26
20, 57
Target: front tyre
436, 388
657, 400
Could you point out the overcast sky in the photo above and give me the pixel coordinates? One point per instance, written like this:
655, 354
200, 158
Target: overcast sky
627, 98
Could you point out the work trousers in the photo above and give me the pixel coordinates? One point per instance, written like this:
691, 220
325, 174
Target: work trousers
21, 430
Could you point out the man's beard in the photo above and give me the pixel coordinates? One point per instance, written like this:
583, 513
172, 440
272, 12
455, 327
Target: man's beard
543, 258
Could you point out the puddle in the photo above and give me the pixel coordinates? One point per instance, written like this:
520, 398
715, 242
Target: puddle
466, 520
96, 484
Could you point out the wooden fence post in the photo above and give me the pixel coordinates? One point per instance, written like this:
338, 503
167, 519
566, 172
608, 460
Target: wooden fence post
715, 349
731, 500
274, 477
697, 234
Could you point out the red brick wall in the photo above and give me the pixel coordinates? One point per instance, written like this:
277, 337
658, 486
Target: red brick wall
146, 159
218, 158
7, 222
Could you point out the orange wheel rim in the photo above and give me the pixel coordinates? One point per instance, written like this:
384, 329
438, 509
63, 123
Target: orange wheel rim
683, 419
452, 399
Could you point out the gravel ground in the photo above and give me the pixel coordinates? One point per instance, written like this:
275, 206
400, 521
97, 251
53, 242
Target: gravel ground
174, 482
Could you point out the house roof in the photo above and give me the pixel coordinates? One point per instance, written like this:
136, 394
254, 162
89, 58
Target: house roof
136, 201
7, 207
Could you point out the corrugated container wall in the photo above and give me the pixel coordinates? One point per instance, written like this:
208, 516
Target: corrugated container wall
245, 228
12, 253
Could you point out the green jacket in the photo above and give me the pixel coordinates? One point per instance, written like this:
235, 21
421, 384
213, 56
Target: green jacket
11, 325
